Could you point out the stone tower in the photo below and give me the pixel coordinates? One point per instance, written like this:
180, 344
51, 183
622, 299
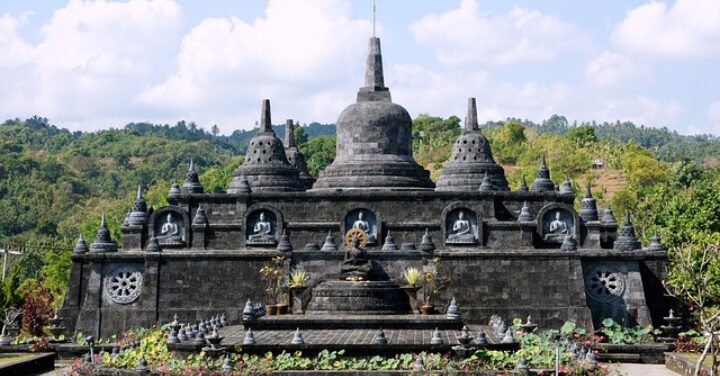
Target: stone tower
471, 160
374, 140
266, 167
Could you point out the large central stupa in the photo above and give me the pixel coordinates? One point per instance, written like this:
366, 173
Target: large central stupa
374, 140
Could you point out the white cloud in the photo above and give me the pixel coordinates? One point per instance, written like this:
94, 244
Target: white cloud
687, 29
91, 59
299, 55
445, 93
467, 35
610, 69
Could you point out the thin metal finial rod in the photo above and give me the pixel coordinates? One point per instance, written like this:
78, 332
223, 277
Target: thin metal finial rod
374, 15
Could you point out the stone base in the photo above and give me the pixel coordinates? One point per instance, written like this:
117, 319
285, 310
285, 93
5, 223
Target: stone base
358, 298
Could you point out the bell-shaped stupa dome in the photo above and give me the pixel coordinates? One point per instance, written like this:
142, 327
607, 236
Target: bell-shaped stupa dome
374, 140
266, 167
471, 160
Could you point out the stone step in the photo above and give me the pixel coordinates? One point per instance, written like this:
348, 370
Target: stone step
338, 321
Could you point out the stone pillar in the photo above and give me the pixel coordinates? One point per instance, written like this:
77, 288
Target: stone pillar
151, 284
199, 236
90, 317
527, 229
593, 238
133, 237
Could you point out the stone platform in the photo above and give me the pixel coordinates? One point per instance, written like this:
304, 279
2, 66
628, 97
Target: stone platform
374, 322
353, 341
358, 298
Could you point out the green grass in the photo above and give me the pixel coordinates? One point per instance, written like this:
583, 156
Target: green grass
8, 358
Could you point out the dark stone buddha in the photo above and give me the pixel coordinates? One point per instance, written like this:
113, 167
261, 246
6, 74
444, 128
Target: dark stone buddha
356, 265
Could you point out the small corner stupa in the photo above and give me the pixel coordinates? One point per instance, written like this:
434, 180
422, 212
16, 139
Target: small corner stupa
266, 167
471, 160
374, 140
295, 157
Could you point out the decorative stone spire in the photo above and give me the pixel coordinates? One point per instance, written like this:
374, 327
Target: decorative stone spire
103, 242
192, 181
138, 216
523, 185
526, 214
472, 163
374, 89
486, 184
249, 338
295, 157
297, 338
153, 245
588, 209
436, 337
453, 311
566, 188
427, 245
174, 191
569, 244
608, 218
626, 240
81, 246
389, 244
243, 185
542, 182
200, 217
379, 338
266, 166
329, 245
656, 245
284, 243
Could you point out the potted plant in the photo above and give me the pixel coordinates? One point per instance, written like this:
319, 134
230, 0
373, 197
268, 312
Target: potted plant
298, 280
11, 314
413, 278
272, 273
433, 283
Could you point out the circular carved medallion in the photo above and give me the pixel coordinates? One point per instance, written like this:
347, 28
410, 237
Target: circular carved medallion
361, 235
604, 283
124, 284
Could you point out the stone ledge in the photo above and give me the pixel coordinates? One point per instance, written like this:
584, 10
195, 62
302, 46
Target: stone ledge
42, 362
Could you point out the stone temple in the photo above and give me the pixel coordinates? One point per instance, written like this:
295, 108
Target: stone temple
370, 215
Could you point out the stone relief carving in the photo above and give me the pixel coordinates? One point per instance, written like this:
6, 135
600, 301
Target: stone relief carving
604, 283
461, 227
123, 285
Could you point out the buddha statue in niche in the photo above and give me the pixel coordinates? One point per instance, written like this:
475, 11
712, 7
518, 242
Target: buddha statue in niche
262, 230
362, 224
461, 231
169, 232
558, 229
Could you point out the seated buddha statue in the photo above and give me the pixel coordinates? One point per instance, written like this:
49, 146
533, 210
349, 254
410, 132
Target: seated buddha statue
558, 230
362, 224
461, 231
356, 265
262, 231
169, 233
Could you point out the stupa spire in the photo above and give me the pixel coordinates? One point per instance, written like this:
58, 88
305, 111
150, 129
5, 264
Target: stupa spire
471, 121
289, 134
265, 121
374, 77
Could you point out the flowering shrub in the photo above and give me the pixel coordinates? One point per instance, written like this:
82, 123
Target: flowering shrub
37, 309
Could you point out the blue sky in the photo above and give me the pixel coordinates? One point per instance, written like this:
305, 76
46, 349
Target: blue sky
92, 65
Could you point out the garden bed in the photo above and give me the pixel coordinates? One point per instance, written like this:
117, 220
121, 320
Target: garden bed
649, 353
21, 364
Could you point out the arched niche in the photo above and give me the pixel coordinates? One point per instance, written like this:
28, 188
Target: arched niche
461, 225
170, 225
365, 219
263, 225
556, 221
